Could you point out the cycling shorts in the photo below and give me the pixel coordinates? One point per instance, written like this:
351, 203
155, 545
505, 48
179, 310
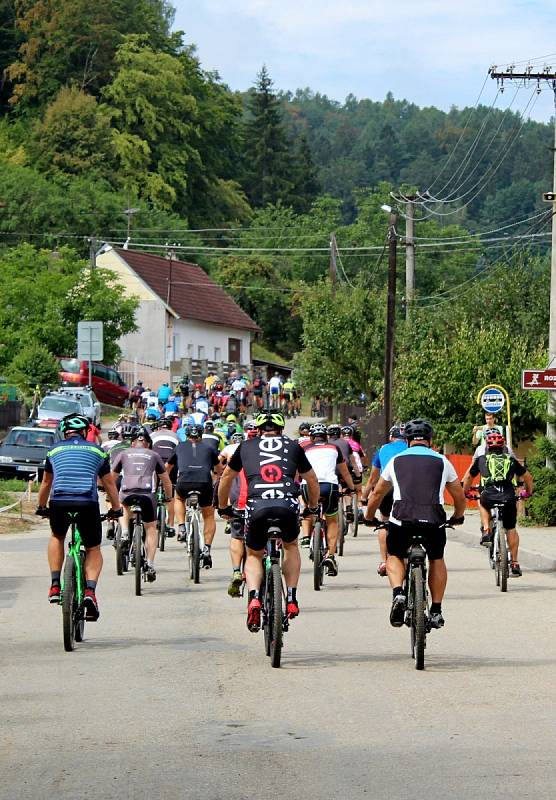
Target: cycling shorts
237, 529
87, 520
399, 537
329, 497
262, 514
183, 488
146, 502
509, 509
386, 503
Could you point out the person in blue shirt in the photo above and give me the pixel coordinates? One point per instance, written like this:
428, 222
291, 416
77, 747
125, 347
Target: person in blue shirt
381, 458
164, 393
171, 405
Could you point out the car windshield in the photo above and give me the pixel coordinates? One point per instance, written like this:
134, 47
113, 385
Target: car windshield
60, 404
70, 365
29, 438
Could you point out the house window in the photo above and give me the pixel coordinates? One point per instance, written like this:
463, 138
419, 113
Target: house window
217, 354
234, 351
200, 352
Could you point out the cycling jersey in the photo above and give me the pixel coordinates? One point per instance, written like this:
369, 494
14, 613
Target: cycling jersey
195, 460
139, 467
75, 466
164, 394
344, 447
388, 451
419, 475
214, 440
164, 442
324, 458
270, 464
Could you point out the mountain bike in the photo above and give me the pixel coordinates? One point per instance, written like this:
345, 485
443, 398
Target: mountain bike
499, 552
355, 511
121, 546
161, 516
137, 550
195, 539
273, 597
343, 525
317, 548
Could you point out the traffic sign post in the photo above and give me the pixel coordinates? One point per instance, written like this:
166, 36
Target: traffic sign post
492, 398
90, 343
544, 379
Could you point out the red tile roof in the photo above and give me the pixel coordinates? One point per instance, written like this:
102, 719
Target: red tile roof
193, 295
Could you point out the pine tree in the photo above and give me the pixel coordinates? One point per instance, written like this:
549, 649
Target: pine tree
305, 182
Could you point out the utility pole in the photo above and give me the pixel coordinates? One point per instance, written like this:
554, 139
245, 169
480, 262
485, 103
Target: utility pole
93, 252
549, 76
390, 319
333, 269
409, 255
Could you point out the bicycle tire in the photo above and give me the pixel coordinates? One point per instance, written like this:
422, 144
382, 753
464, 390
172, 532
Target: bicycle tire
161, 527
418, 632
318, 569
138, 547
195, 555
496, 550
355, 506
341, 527
119, 550
263, 597
504, 566
79, 618
68, 604
276, 638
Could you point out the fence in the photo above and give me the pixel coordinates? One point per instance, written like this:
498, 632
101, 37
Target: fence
198, 369
133, 371
373, 434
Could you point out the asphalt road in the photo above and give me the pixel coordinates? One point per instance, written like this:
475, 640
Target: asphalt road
171, 697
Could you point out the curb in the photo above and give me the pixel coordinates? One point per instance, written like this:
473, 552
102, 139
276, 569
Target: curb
531, 559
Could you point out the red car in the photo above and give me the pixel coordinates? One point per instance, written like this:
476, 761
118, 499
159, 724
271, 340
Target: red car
107, 383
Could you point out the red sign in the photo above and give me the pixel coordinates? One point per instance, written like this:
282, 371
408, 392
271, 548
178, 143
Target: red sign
538, 379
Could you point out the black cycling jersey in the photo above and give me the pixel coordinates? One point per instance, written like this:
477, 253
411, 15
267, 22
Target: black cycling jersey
270, 464
164, 443
344, 447
195, 461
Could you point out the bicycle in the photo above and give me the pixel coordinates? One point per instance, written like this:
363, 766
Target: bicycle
137, 550
121, 545
195, 539
318, 548
273, 597
343, 524
161, 517
498, 551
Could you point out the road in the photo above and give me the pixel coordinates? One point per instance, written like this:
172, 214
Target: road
171, 697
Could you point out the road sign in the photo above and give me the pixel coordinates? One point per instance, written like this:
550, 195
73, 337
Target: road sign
538, 379
90, 341
492, 400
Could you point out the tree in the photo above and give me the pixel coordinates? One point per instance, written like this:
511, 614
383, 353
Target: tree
34, 365
305, 182
266, 151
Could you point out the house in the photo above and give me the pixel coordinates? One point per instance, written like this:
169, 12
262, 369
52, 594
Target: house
183, 314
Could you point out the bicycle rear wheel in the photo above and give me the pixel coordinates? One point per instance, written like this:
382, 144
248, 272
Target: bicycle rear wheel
79, 615
318, 569
341, 527
274, 600
355, 523
138, 547
418, 632
69, 603
496, 553
195, 551
120, 568
504, 565
161, 515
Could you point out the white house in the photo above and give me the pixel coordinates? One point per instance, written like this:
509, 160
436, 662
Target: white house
182, 312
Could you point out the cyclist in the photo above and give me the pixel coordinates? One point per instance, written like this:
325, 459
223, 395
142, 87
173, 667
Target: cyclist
70, 476
210, 435
164, 442
327, 462
112, 441
139, 467
304, 437
196, 461
498, 470
289, 395
258, 390
164, 393
275, 387
418, 476
395, 445
356, 471
271, 463
135, 395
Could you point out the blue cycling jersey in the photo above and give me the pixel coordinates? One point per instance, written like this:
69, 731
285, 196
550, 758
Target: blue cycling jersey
388, 451
75, 465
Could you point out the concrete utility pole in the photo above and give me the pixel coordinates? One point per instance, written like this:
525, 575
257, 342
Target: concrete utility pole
333, 269
546, 75
409, 255
390, 320
93, 252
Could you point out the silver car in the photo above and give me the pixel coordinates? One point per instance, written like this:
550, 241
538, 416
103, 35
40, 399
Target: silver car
55, 406
87, 398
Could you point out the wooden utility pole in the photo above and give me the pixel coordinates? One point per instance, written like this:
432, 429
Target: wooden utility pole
93, 252
546, 75
409, 255
390, 320
333, 269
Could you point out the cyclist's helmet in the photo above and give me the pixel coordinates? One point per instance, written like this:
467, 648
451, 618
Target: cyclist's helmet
495, 441
113, 434
140, 432
418, 429
334, 431
128, 431
74, 423
237, 437
304, 428
397, 432
347, 430
252, 433
318, 429
270, 420
231, 418
209, 426
167, 422
195, 431
152, 415
249, 426
133, 418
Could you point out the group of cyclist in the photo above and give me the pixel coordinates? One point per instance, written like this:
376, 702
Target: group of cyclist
254, 473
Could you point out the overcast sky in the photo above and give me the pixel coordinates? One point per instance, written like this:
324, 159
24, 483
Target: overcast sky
430, 52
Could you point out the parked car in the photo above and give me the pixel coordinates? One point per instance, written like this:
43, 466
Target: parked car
107, 384
23, 451
88, 400
54, 407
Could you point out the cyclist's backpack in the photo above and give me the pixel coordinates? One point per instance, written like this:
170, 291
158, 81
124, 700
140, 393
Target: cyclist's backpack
498, 466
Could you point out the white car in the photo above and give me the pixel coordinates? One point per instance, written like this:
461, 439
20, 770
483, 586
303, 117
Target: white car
88, 400
54, 407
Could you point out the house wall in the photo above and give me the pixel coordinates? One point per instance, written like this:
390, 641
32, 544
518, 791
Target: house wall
190, 334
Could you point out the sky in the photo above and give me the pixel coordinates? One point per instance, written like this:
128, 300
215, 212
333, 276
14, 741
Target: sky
431, 52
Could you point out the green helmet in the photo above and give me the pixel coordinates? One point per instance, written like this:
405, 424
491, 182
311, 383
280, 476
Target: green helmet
268, 420
75, 423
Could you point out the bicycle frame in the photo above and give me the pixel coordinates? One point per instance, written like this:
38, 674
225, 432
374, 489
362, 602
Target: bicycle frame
76, 550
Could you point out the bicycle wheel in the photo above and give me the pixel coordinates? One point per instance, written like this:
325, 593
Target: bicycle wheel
318, 570
264, 595
120, 569
496, 552
503, 553
79, 617
138, 548
355, 507
341, 527
418, 634
69, 604
161, 514
195, 552
275, 615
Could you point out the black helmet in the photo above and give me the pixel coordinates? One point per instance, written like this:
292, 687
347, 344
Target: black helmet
127, 431
418, 429
397, 432
113, 434
209, 426
305, 427
195, 431
334, 430
141, 433
318, 429
74, 423
166, 422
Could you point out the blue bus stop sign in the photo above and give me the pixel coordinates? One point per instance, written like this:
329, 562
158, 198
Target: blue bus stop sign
492, 400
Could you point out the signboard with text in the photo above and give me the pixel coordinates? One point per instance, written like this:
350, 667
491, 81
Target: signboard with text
538, 379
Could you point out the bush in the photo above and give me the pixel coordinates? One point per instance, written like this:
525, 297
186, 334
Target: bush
542, 505
34, 366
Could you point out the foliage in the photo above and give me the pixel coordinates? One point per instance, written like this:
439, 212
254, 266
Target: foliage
542, 505
34, 365
44, 297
